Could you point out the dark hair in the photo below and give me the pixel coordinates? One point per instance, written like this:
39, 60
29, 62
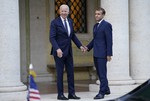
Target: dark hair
101, 9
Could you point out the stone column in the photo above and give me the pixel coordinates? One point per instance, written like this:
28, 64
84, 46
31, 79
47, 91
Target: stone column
118, 68
140, 40
10, 51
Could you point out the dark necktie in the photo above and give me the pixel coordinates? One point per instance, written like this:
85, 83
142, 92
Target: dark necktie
66, 26
96, 26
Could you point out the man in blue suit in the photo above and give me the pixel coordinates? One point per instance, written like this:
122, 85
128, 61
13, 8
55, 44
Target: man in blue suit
102, 50
61, 34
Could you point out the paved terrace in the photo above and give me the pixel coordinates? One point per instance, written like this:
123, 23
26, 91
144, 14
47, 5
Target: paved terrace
48, 92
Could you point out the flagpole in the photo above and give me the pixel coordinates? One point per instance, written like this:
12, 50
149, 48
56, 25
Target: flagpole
28, 81
30, 68
33, 92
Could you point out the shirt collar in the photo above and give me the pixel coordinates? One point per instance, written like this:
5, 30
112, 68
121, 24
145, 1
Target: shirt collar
100, 21
63, 19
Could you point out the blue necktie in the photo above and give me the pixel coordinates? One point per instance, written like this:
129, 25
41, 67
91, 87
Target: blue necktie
66, 26
96, 26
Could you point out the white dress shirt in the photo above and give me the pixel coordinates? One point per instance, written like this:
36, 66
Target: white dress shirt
67, 25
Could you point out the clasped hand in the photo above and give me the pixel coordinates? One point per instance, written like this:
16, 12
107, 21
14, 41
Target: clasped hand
60, 53
83, 49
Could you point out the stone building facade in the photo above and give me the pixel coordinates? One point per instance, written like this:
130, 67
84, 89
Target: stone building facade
24, 33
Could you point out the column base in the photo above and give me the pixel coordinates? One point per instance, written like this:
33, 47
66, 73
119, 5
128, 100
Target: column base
13, 92
116, 86
140, 81
115, 89
119, 82
12, 87
13, 96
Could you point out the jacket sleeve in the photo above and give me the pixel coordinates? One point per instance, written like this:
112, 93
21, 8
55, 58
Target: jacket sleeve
109, 40
74, 37
52, 36
90, 45
76, 41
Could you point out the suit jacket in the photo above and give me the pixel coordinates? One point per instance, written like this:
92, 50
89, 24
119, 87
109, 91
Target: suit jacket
59, 37
102, 40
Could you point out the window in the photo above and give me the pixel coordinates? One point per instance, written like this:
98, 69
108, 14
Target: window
77, 13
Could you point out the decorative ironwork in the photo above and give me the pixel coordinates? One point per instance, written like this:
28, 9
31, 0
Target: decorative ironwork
77, 13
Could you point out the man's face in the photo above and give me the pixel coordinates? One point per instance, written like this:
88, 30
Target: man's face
98, 15
64, 11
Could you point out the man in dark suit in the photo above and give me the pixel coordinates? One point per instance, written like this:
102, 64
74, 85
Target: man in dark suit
102, 50
61, 34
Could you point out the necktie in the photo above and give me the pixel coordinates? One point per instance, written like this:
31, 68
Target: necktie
66, 26
96, 26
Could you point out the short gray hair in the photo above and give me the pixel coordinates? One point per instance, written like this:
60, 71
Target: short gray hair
64, 5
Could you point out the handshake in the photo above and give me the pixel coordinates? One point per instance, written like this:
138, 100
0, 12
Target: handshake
60, 53
83, 49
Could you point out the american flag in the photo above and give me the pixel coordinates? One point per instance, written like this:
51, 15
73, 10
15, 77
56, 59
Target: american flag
33, 92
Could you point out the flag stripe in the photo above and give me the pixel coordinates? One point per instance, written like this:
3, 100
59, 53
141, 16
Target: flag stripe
33, 92
34, 95
31, 97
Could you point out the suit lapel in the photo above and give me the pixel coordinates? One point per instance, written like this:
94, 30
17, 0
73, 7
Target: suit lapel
98, 28
100, 25
61, 24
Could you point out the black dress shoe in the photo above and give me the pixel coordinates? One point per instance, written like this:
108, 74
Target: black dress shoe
73, 97
107, 92
99, 96
62, 97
